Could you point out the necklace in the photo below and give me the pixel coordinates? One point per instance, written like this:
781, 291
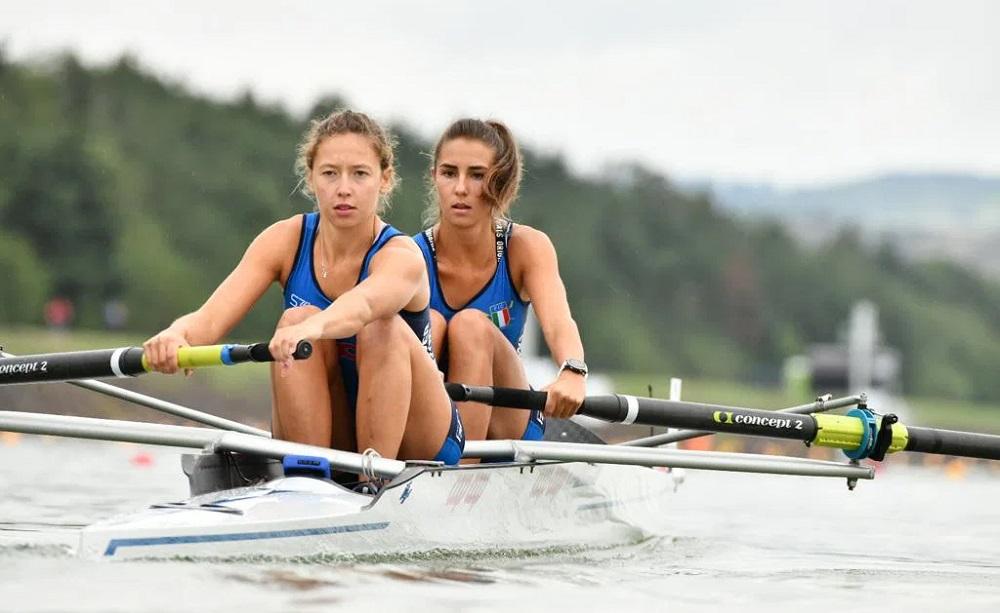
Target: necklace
322, 259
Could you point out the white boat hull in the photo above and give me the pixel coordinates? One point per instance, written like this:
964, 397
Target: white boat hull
468, 508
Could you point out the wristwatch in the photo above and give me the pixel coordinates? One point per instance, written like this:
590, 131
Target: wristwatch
575, 365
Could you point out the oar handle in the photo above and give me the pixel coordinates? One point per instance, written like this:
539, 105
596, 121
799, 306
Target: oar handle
611, 408
128, 362
216, 355
303, 351
497, 396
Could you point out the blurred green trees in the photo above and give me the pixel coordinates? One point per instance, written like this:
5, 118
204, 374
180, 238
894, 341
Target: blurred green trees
115, 184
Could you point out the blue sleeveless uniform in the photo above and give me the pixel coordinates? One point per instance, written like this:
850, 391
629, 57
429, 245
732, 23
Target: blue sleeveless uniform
302, 289
498, 299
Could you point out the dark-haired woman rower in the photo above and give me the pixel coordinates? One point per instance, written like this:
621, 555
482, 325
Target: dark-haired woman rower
485, 272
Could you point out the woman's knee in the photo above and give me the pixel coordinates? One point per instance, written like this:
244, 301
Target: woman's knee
439, 331
296, 315
439, 325
382, 335
469, 329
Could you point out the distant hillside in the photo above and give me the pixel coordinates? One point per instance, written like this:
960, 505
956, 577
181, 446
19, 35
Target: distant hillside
946, 195
922, 215
117, 187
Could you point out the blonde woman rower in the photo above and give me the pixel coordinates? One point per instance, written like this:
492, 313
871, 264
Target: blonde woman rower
354, 286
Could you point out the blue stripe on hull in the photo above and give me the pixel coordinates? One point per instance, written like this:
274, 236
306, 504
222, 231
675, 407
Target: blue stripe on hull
114, 544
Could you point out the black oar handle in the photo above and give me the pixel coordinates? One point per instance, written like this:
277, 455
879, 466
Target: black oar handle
610, 408
127, 362
497, 396
259, 352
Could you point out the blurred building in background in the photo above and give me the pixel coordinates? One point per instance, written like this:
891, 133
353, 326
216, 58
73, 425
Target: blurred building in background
860, 362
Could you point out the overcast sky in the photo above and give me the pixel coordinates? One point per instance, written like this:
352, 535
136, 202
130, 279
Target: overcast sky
789, 92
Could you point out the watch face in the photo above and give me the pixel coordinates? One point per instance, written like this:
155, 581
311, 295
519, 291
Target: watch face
578, 366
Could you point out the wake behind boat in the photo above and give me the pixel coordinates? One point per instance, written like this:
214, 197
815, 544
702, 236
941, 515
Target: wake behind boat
254, 496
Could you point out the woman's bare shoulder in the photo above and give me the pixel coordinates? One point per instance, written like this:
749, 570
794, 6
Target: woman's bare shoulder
529, 241
400, 246
275, 246
285, 228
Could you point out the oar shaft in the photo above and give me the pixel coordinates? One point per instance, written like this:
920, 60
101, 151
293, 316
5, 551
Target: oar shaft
950, 442
818, 406
654, 412
126, 362
68, 366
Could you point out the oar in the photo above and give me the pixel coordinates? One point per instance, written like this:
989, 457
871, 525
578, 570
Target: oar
127, 362
861, 433
163, 406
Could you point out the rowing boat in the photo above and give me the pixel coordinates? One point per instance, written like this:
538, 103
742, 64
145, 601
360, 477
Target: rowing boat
424, 509
254, 496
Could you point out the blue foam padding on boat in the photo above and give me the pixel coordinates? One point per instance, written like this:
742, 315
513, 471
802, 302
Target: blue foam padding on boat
311, 466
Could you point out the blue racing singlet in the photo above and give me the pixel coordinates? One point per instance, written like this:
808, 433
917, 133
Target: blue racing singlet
498, 298
302, 288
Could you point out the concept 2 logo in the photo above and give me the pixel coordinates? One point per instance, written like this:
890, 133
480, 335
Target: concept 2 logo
730, 419
24, 368
723, 417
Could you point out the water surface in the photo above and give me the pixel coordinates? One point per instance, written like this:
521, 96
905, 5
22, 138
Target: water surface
924, 539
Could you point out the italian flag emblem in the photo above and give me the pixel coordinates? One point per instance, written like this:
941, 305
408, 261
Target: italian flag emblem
500, 314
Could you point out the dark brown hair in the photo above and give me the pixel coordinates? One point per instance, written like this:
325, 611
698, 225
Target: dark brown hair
504, 176
346, 121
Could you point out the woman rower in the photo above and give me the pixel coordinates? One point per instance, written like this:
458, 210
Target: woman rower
357, 288
485, 272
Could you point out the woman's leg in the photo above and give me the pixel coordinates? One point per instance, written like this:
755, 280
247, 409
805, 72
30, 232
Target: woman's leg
308, 402
403, 409
479, 354
439, 331
508, 371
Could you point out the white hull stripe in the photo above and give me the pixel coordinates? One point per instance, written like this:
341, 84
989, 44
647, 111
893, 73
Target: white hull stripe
633, 410
114, 544
115, 359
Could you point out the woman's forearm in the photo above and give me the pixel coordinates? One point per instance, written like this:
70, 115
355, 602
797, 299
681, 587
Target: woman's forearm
345, 317
563, 340
195, 328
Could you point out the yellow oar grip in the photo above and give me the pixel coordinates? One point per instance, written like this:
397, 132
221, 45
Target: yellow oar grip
900, 437
838, 431
195, 357
847, 432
